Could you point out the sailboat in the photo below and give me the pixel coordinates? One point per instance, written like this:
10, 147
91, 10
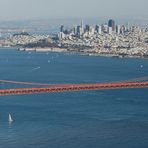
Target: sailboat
10, 119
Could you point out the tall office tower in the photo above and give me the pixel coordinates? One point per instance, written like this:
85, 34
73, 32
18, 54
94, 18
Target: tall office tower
87, 28
62, 28
128, 26
118, 29
79, 31
111, 23
96, 28
75, 30
99, 29
61, 36
82, 27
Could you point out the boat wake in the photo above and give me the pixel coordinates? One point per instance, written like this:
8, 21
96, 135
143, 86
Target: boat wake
34, 69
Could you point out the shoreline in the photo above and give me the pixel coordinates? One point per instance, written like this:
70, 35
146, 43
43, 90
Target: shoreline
62, 50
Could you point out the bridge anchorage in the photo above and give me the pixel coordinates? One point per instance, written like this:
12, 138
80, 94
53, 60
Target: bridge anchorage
51, 88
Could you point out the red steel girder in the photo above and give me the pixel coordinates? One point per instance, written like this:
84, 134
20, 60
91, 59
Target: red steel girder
73, 87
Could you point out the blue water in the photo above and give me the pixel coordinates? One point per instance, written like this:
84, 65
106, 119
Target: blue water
87, 119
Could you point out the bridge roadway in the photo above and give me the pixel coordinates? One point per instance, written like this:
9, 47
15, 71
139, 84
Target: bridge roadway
73, 87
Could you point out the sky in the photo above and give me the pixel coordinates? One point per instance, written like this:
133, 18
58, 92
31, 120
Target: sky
43, 9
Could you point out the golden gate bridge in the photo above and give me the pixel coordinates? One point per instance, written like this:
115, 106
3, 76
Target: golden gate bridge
52, 88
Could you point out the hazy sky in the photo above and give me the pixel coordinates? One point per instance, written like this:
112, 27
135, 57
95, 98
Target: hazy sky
36, 9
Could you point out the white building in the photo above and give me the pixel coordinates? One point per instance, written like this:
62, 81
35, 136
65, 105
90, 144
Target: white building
92, 31
118, 29
110, 30
61, 36
99, 29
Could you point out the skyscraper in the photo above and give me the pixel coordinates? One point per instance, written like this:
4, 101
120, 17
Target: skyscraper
87, 28
82, 27
98, 29
62, 28
111, 23
79, 31
118, 29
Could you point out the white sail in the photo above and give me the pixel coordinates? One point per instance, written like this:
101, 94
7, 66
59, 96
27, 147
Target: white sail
10, 118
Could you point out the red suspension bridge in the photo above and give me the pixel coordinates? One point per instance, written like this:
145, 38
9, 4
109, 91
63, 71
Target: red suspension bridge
51, 88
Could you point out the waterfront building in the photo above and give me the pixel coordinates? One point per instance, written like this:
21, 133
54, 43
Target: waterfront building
61, 36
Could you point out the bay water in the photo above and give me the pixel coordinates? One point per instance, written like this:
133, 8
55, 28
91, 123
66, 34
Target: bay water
85, 119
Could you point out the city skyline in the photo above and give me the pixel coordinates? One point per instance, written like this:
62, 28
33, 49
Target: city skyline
23, 10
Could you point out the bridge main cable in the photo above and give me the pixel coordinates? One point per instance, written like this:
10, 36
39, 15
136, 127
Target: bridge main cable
74, 87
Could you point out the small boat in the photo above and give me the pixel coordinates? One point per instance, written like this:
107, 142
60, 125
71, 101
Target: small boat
10, 119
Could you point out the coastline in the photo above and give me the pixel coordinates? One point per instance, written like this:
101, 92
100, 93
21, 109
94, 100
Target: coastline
62, 50
73, 51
